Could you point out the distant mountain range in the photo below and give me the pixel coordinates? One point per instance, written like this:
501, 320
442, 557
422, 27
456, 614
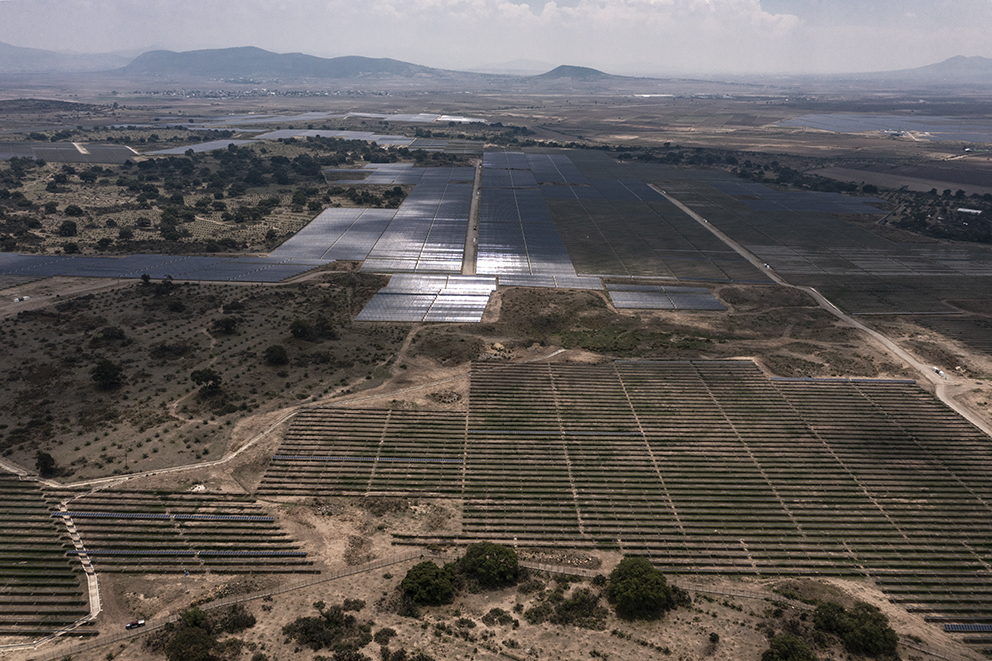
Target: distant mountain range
255, 62
250, 63
955, 70
14, 59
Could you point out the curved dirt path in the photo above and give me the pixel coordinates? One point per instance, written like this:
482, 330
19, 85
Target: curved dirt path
944, 387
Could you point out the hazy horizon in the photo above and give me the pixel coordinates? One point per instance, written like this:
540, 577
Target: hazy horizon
627, 37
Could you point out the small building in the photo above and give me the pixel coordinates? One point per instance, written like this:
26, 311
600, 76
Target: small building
973, 212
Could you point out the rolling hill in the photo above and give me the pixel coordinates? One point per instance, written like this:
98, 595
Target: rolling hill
249, 61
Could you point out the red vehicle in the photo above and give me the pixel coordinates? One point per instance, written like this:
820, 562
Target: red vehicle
135, 624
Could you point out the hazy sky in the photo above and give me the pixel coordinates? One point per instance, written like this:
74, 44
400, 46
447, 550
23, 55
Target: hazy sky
618, 36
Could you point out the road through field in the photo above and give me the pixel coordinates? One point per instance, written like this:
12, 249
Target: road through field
944, 386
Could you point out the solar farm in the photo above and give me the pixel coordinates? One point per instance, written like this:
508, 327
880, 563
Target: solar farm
149, 532
706, 467
42, 586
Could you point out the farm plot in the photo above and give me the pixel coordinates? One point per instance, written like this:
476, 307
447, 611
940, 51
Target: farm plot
41, 590
705, 467
152, 532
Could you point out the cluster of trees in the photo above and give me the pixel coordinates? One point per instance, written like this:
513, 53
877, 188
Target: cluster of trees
484, 565
635, 588
864, 629
194, 637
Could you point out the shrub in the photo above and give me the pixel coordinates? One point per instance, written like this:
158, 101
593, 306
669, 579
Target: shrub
75, 211
107, 374
45, 464
638, 590
428, 584
785, 647
276, 355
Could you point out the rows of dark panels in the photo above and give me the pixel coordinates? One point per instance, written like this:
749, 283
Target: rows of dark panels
235, 269
762, 198
151, 531
430, 298
397, 449
42, 589
655, 297
427, 234
66, 152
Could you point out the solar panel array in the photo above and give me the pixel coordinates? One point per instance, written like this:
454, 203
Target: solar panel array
762, 198
40, 589
517, 235
700, 466
66, 152
337, 233
427, 234
432, 298
397, 174
220, 269
139, 531
654, 297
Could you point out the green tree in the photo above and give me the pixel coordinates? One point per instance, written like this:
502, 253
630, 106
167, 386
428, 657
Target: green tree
301, 330
191, 644
208, 378
226, 325
428, 584
45, 464
68, 227
638, 590
107, 374
785, 647
864, 629
275, 355
73, 210
490, 564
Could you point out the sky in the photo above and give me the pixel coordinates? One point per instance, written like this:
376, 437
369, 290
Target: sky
642, 37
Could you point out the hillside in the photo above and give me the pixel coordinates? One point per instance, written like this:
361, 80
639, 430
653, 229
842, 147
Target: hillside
18, 60
955, 70
251, 61
575, 73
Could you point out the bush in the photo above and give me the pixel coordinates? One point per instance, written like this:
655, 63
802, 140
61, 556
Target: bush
45, 464
428, 584
107, 374
75, 211
333, 628
638, 590
276, 355
582, 609
68, 227
785, 647
864, 629
492, 565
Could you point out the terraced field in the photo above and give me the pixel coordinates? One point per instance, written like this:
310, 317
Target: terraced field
705, 467
41, 589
